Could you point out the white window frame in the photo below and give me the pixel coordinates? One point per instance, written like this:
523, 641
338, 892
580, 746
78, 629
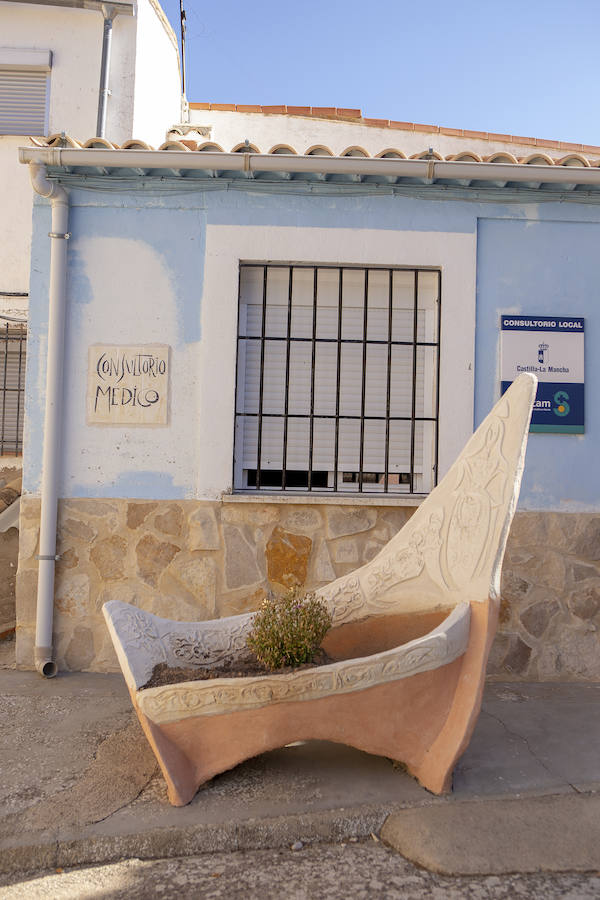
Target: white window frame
24, 91
454, 253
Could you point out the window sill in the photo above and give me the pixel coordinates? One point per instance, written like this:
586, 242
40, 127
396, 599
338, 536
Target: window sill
328, 499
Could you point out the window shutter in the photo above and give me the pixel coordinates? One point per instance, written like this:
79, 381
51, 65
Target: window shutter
24, 90
352, 358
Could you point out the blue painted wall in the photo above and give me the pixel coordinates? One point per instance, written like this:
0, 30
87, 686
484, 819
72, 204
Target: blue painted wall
543, 268
532, 257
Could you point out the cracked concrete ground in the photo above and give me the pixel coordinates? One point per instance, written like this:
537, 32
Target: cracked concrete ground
80, 786
361, 871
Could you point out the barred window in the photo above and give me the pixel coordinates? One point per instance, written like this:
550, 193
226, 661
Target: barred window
337, 379
13, 346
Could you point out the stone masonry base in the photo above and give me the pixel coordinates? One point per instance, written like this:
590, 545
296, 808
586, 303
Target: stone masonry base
194, 560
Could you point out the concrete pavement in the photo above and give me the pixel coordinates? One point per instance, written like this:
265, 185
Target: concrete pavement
79, 784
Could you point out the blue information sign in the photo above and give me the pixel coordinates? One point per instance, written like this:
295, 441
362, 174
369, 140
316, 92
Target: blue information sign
550, 347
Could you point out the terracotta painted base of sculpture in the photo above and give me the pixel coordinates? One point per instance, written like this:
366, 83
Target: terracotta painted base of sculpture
424, 721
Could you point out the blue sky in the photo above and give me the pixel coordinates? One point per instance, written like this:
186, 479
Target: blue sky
524, 68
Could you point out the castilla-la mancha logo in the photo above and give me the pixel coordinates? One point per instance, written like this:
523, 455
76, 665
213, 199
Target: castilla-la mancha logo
543, 352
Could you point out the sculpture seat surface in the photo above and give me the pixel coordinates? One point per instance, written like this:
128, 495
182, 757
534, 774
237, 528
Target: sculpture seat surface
410, 640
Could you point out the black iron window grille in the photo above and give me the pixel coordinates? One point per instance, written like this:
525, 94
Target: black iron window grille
337, 379
13, 347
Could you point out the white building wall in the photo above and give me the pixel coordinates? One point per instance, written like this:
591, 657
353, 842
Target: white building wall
265, 131
157, 101
144, 102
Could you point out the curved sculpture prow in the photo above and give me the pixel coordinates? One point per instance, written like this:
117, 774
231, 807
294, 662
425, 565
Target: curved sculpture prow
451, 549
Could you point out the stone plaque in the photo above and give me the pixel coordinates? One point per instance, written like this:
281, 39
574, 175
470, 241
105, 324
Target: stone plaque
128, 385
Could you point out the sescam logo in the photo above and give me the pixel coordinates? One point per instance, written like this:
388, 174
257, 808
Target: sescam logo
562, 407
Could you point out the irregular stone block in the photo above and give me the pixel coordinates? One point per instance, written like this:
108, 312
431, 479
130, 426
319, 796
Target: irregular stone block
170, 522
345, 551
235, 605
587, 545
585, 603
301, 520
371, 549
25, 643
198, 576
249, 514
76, 528
98, 508
348, 520
537, 617
581, 572
108, 555
26, 596
204, 530
287, 557
517, 657
72, 595
322, 570
28, 539
153, 557
80, 652
68, 560
240, 561
573, 654
138, 512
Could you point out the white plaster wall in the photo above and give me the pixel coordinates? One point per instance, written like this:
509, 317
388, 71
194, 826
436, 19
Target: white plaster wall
75, 38
125, 276
145, 99
193, 456
157, 101
302, 132
15, 221
226, 245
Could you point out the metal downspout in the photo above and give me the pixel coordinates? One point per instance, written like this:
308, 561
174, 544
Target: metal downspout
44, 661
104, 92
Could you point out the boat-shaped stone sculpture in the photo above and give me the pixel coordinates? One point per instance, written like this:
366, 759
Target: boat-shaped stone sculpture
410, 639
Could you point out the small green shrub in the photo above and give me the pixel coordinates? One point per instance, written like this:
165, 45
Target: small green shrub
288, 629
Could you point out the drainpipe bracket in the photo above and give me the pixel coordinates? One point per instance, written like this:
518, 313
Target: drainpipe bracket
57, 234
54, 558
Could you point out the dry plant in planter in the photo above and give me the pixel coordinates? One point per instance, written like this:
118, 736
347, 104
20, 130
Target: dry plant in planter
288, 629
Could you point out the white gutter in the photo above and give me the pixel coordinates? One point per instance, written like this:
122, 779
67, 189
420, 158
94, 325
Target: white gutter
430, 169
59, 235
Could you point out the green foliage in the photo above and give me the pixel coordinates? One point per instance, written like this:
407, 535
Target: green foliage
288, 629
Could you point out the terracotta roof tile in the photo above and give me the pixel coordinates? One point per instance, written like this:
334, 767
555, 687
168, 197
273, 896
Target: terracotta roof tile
428, 128
402, 126
248, 109
350, 113
324, 111
381, 123
271, 110
451, 132
298, 110
537, 157
518, 139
